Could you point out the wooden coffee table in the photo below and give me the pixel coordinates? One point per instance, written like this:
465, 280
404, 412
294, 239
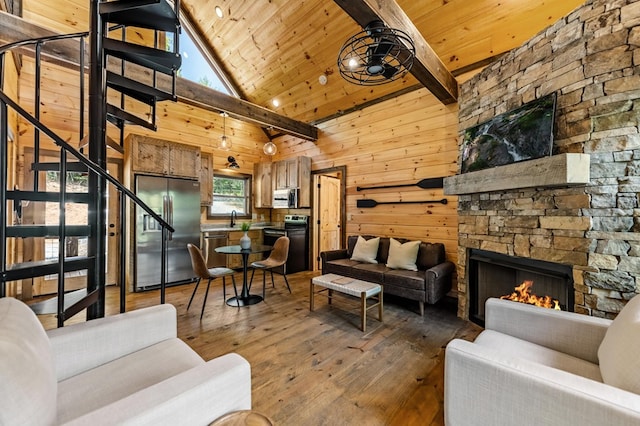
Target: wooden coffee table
351, 287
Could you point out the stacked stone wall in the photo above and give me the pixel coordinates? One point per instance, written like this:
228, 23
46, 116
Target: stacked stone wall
591, 59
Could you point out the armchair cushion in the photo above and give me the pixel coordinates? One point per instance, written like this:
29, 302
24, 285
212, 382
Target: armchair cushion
619, 352
123, 377
27, 374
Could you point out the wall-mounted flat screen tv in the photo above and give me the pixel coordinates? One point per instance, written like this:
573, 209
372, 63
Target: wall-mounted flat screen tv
522, 134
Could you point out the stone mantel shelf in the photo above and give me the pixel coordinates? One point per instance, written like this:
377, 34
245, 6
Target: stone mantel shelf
556, 170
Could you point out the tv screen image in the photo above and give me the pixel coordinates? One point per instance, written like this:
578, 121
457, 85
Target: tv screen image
522, 134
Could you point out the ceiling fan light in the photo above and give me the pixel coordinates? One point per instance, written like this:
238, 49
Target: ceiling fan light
270, 148
377, 55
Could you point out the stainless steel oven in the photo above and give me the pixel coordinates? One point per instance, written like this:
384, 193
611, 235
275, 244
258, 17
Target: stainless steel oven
296, 227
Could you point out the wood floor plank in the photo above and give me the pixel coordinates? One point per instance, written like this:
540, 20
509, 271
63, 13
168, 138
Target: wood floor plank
319, 368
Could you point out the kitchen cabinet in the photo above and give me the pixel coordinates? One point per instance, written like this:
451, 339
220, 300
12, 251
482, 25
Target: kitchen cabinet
206, 179
294, 173
235, 261
262, 184
156, 156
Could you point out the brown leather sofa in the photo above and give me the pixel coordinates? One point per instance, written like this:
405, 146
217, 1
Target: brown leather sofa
430, 283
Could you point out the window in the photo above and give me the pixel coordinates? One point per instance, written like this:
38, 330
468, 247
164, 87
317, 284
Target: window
197, 65
231, 192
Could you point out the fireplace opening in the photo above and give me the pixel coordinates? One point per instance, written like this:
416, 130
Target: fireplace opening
494, 275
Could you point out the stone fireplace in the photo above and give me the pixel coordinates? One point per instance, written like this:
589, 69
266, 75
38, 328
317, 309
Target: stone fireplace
591, 225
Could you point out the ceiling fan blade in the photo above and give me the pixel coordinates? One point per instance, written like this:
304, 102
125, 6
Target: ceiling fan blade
389, 71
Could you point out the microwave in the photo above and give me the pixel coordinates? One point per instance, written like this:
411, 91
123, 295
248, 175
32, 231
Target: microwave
285, 199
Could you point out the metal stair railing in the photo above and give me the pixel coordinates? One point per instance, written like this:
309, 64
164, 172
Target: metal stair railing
5, 102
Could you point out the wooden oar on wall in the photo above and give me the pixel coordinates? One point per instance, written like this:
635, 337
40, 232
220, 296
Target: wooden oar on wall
366, 203
428, 183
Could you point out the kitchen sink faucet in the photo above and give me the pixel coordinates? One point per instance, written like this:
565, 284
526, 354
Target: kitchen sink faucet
234, 216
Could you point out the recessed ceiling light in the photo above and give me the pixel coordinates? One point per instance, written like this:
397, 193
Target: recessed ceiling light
219, 12
276, 103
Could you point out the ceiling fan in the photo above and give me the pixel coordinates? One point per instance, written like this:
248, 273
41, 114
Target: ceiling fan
377, 55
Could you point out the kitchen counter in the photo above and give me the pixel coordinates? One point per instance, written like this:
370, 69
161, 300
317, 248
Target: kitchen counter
217, 227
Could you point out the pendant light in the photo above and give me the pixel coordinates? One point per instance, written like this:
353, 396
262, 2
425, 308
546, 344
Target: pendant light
225, 142
270, 148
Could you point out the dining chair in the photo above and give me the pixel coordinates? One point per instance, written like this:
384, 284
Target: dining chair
200, 269
278, 257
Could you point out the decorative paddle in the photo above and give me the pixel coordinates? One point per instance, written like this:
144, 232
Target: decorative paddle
372, 203
424, 184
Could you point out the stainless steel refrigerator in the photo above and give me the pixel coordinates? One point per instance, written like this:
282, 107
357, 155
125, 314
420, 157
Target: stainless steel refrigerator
178, 202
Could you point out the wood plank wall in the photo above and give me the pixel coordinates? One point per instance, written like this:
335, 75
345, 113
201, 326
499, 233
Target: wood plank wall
400, 141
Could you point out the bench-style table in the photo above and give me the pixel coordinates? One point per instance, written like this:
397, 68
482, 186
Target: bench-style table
349, 286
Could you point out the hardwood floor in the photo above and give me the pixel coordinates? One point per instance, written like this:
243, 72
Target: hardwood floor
318, 368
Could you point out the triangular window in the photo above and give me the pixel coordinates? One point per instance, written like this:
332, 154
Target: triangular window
197, 65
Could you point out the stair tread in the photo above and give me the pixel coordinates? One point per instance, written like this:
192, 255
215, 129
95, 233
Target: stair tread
71, 197
72, 166
156, 59
38, 268
118, 113
26, 231
151, 14
147, 94
50, 306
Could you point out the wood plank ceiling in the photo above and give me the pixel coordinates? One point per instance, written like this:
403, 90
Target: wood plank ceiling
277, 49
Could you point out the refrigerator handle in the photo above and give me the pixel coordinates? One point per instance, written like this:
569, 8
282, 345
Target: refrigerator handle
170, 216
166, 210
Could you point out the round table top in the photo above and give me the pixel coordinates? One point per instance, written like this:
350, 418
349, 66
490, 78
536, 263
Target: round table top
243, 418
255, 248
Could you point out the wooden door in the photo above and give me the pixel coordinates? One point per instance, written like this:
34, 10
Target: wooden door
280, 175
206, 179
329, 210
113, 264
292, 173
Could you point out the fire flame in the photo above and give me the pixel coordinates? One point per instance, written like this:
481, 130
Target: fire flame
523, 294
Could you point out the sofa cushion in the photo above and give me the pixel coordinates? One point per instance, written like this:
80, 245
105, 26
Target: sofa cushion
369, 272
403, 256
430, 255
123, 377
341, 267
28, 383
408, 279
366, 250
522, 349
619, 351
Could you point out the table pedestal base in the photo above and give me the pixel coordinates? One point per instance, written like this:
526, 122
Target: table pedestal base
252, 299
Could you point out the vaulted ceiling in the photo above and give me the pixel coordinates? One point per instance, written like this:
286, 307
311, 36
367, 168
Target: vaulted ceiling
277, 49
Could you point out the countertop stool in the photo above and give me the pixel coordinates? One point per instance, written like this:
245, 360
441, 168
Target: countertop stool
243, 418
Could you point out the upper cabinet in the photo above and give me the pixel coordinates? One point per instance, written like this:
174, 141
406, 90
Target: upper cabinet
150, 155
294, 173
206, 179
262, 184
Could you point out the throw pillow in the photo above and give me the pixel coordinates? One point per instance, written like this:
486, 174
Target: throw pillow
403, 256
618, 352
366, 250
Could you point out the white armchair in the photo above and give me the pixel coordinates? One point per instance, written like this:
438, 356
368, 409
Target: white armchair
123, 369
536, 366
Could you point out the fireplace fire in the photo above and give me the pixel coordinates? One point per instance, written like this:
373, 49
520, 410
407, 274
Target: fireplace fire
523, 294
492, 274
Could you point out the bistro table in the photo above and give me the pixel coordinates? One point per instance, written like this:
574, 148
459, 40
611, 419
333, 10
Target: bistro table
245, 299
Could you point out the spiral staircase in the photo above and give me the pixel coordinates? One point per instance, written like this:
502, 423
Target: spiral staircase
113, 60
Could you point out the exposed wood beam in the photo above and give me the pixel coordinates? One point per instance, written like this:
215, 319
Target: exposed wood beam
427, 66
65, 52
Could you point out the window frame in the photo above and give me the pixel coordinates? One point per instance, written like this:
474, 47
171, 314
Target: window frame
248, 195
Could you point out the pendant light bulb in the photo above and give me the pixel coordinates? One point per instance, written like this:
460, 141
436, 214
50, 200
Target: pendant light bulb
225, 142
270, 148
